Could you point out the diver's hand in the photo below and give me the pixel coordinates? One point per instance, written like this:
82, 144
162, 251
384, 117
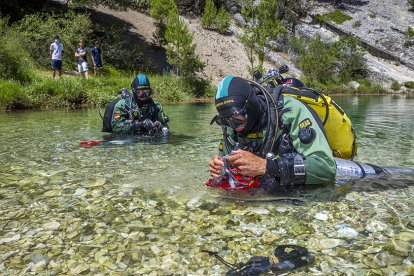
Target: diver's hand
216, 166
157, 125
247, 163
147, 124
136, 126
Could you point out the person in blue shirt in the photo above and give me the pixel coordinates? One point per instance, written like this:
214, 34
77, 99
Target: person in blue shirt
96, 53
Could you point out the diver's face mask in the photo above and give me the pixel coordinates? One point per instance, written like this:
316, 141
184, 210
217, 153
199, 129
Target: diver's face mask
142, 94
235, 119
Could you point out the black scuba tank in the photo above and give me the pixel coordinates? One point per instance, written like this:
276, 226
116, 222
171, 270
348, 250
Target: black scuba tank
107, 118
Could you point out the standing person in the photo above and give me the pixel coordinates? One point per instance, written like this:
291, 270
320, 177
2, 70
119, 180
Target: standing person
56, 51
96, 53
81, 55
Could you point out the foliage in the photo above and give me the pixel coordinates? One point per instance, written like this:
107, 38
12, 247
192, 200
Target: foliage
118, 48
409, 36
356, 24
222, 20
248, 40
349, 55
215, 19
180, 47
159, 9
411, 3
72, 91
12, 95
39, 30
15, 63
409, 84
395, 86
266, 26
290, 11
340, 62
317, 62
209, 14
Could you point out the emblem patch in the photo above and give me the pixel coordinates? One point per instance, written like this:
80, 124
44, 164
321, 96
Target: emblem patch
305, 123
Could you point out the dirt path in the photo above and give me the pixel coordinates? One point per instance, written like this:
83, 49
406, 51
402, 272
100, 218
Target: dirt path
223, 55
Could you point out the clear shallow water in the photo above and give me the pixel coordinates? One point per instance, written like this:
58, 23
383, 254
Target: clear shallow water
142, 208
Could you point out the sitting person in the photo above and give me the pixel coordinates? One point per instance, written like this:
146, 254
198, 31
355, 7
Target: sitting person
137, 113
276, 138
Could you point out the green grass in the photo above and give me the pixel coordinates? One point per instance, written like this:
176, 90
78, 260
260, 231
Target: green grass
72, 91
336, 16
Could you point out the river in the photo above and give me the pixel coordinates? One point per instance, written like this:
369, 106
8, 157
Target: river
139, 207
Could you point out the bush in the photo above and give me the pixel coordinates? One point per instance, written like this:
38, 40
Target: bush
395, 86
12, 96
409, 36
222, 20
409, 84
356, 24
349, 55
339, 62
39, 30
317, 62
15, 62
209, 14
411, 3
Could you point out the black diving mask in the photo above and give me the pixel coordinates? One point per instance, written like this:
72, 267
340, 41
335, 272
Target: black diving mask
142, 93
234, 119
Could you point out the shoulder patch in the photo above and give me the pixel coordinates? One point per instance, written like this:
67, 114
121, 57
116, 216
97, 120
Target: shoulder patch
305, 123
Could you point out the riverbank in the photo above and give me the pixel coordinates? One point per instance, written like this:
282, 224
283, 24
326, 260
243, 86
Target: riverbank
71, 90
42, 92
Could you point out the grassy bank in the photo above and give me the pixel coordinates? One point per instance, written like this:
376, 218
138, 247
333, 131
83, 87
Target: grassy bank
43, 92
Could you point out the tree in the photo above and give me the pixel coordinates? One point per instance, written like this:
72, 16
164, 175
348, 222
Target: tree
290, 11
180, 47
222, 20
317, 62
160, 10
349, 55
248, 40
209, 14
265, 25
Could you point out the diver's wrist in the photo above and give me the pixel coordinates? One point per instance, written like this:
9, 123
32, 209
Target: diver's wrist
272, 167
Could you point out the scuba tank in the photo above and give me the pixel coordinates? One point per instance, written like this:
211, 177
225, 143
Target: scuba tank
350, 170
107, 117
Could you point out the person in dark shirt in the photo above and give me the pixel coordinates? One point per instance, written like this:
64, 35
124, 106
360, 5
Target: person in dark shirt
81, 56
96, 53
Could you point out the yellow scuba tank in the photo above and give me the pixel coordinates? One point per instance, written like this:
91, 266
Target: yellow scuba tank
337, 125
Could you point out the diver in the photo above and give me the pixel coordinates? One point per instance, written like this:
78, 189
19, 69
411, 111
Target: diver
137, 113
270, 135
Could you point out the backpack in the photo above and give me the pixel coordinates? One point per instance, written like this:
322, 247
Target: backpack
338, 127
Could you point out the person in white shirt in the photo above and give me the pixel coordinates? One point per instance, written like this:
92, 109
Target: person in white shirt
56, 50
